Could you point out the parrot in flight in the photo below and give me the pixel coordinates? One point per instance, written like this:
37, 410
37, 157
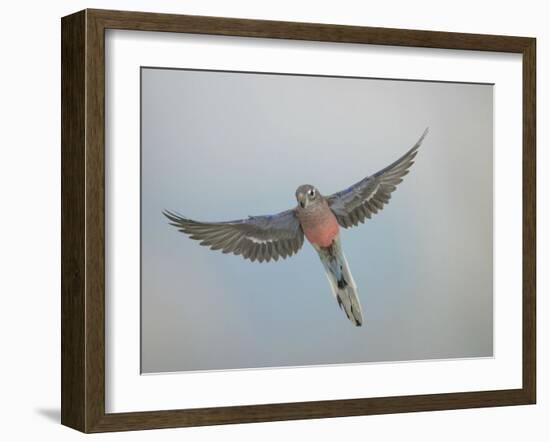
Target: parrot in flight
317, 217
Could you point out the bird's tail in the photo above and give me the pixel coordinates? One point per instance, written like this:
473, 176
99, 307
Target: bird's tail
340, 279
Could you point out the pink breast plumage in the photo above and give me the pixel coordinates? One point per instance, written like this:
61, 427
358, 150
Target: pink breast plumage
323, 231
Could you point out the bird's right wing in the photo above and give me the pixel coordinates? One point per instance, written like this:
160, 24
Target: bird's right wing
259, 238
366, 197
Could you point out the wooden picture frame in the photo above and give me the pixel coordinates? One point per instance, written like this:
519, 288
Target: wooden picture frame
83, 220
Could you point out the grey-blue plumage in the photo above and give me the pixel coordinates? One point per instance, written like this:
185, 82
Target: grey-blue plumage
341, 281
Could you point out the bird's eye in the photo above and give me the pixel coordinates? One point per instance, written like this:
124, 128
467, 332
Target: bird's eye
311, 192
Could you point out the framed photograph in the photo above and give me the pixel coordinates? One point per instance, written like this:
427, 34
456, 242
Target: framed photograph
270, 220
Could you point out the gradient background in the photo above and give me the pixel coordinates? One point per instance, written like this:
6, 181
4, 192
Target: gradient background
218, 146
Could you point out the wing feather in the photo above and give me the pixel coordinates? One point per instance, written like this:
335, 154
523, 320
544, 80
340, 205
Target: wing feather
367, 197
257, 238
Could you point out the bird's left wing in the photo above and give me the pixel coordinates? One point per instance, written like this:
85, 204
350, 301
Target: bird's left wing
366, 197
259, 238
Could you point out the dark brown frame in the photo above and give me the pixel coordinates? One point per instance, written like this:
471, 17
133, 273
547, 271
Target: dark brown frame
83, 215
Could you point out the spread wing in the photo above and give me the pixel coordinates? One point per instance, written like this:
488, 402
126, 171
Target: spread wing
259, 238
366, 197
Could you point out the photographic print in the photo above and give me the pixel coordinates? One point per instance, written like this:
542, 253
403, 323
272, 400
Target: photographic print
297, 220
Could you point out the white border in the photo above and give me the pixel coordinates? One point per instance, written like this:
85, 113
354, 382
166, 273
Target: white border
127, 390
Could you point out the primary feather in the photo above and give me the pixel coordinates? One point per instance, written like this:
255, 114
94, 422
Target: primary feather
363, 199
261, 238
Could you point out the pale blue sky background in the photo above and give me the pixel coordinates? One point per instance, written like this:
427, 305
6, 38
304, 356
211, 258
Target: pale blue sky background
218, 146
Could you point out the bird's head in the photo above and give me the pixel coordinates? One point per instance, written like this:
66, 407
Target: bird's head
306, 195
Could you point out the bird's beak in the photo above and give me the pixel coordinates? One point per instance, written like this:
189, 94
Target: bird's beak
302, 199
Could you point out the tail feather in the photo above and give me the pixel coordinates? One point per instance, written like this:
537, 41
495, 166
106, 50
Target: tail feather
341, 281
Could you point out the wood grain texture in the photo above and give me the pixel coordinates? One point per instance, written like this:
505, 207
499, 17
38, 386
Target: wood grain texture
145, 21
529, 220
95, 221
73, 126
83, 220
